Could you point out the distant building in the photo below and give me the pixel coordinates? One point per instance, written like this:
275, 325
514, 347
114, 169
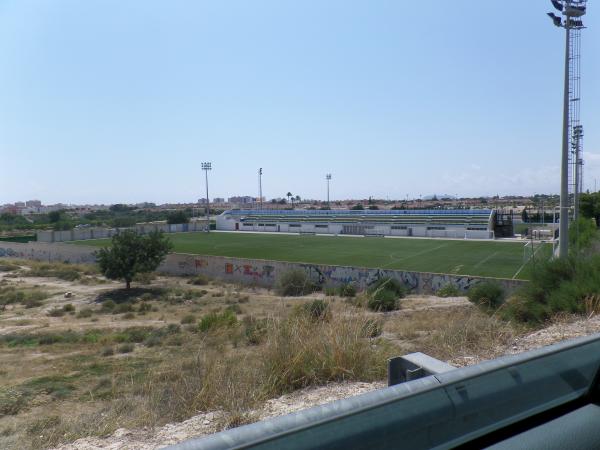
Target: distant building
218, 200
33, 203
467, 224
242, 200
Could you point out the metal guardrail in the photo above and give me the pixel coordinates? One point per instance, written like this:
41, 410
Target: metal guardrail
438, 411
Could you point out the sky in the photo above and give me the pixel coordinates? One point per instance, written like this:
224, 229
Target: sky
106, 101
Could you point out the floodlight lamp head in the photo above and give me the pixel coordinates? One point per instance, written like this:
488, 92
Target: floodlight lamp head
575, 10
206, 166
558, 5
328, 176
557, 20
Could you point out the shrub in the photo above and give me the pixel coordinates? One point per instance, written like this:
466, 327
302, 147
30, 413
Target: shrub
348, 290
487, 293
125, 348
198, 280
56, 312
448, 290
383, 300
108, 305
235, 308
85, 313
107, 351
294, 283
215, 320
372, 328
32, 303
329, 291
8, 267
122, 308
254, 330
144, 277
389, 284
317, 309
384, 295
144, 307
190, 318
69, 308
129, 316
560, 285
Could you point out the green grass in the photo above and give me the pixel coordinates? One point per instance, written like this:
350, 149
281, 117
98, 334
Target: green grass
479, 258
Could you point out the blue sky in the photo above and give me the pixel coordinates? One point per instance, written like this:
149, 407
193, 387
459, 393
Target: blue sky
120, 101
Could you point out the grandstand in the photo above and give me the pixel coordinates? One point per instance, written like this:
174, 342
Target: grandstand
457, 223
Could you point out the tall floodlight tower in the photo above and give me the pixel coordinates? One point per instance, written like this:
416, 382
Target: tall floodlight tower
572, 10
206, 166
328, 179
260, 187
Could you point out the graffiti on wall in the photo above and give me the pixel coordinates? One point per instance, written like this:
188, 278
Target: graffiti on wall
254, 271
11, 253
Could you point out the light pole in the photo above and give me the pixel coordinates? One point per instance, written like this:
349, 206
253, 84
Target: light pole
572, 10
206, 166
328, 178
260, 187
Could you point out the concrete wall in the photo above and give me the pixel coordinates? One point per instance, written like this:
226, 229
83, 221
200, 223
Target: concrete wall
255, 271
82, 234
265, 273
41, 251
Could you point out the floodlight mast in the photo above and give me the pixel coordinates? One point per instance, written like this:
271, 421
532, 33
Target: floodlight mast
328, 178
260, 199
571, 9
206, 166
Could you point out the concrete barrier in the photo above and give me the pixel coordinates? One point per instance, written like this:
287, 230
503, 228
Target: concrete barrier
257, 271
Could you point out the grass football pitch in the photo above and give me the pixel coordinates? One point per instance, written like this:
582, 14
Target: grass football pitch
479, 258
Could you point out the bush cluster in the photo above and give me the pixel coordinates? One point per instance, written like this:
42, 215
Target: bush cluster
294, 283
448, 290
559, 285
215, 320
488, 293
385, 294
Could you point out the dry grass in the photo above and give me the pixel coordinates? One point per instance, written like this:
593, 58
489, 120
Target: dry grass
62, 378
453, 333
297, 352
592, 305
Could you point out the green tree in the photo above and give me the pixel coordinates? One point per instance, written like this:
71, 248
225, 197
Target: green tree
358, 206
54, 216
589, 205
132, 253
177, 217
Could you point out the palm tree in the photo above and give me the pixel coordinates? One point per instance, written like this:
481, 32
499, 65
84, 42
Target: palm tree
297, 198
288, 195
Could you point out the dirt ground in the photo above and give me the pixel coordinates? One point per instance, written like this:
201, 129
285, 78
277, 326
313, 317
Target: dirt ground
86, 364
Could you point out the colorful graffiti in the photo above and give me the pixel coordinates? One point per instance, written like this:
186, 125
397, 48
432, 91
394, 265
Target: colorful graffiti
265, 271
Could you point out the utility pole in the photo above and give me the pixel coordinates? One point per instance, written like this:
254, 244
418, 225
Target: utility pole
328, 178
206, 166
260, 198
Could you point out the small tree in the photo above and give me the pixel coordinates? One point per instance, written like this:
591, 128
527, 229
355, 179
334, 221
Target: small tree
176, 217
132, 253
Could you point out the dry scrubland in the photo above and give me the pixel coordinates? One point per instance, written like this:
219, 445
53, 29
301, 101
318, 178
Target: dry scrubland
81, 357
